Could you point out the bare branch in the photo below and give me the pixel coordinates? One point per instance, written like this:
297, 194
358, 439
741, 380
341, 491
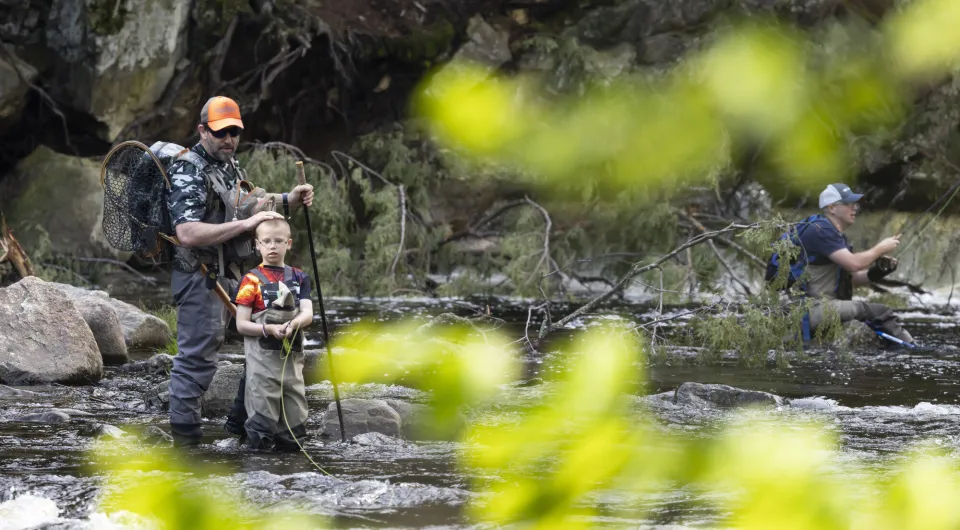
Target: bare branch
545, 257
403, 228
122, 265
726, 266
722, 240
220, 54
637, 270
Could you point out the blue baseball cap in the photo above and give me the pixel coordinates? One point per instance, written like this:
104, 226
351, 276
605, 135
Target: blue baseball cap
838, 193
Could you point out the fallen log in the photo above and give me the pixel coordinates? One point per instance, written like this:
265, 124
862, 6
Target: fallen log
13, 252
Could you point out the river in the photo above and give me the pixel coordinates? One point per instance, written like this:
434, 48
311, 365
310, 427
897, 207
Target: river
879, 402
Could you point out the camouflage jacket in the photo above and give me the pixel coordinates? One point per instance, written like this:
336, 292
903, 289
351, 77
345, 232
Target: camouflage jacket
192, 199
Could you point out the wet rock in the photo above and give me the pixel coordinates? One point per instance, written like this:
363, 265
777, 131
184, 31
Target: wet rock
485, 45
155, 435
51, 417
362, 416
13, 89
218, 399
533, 381
709, 395
376, 439
96, 430
43, 338
140, 329
74, 412
115, 63
159, 364
417, 422
103, 322
157, 397
7, 391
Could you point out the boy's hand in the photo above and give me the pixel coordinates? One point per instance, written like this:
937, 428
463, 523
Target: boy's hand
275, 330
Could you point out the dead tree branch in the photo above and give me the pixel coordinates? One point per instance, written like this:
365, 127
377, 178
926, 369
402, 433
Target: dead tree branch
545, 258
403, 228
723, 262
639, 269
146, 279
722, 240
220, 54
13, 252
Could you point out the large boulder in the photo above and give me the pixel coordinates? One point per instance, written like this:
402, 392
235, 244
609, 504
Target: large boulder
103, 322
14, 76
140, 329
43, 338
57, 200
115, 59
722, 396
362, 416
218, 399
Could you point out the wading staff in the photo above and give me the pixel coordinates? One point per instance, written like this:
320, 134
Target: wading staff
302, 179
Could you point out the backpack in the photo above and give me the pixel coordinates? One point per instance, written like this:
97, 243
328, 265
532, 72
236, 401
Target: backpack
797, 265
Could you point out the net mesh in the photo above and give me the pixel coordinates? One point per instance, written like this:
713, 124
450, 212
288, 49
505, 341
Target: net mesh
134, 201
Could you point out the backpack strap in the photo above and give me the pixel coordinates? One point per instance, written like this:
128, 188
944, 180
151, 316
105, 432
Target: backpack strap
198, 161
260, 276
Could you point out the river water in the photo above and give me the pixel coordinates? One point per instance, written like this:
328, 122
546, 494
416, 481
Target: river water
878, 401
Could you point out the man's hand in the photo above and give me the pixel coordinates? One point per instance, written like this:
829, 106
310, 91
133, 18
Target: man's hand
889, 244
301, 194
250, 224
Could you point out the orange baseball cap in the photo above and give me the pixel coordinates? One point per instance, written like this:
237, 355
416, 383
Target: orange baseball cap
219, 112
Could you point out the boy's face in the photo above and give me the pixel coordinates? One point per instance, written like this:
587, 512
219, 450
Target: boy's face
273, 241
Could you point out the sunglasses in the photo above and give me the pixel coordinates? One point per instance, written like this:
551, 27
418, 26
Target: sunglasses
233, 131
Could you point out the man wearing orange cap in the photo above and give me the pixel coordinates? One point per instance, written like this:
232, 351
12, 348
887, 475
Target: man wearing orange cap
204, 184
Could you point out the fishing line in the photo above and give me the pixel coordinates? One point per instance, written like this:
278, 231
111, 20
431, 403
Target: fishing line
952, 192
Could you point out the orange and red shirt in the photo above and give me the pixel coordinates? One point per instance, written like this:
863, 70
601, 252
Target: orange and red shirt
249, 292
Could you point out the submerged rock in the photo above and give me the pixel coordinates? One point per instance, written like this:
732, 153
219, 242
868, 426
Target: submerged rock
155, 435
376, 439
362, 416
140, 329
159, 364
710, 395
96, 430
7, 391
51, 417
43, 338
157, 397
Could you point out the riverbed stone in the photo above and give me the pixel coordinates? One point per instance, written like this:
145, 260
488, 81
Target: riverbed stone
50, 417
722, 396
159, 364
155, 435
218, 399
97, 430
157, 397
43, 338
140, 329
362, 416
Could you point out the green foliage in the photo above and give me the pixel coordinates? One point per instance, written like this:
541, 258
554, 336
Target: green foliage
168, 314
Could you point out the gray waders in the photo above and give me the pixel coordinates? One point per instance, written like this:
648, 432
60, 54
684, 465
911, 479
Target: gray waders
265, 388
202, 319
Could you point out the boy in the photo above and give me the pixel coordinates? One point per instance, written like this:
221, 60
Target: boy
273, 304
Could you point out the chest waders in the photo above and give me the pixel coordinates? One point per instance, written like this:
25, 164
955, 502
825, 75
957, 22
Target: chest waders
267, 397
